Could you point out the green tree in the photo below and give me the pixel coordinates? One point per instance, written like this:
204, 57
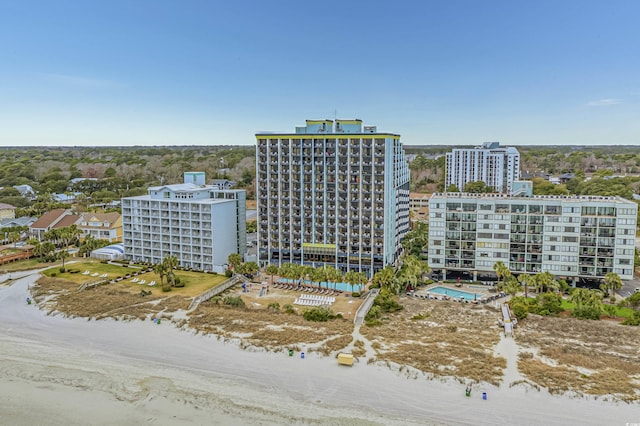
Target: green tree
332, 275
524, 280
160, 271
63, 255
502, 272
452, 188
384, 278
272, 270
234, 260
354, 278
170, 263
317, 275
416, 240
478, 187
611, 283
512, 286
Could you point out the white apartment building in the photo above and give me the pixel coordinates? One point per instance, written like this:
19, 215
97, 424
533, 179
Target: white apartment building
570, 237
332, 193
498, 167
198, 223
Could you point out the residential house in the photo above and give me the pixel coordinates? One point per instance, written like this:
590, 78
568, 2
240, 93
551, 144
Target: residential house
101, 226
7, 211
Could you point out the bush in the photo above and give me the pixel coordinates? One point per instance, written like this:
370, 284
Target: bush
228, 273
319, 314
355, 294
587, 312
288, 308
166, 287
275, 306
634, 320
519, 310
235, 301
62, 270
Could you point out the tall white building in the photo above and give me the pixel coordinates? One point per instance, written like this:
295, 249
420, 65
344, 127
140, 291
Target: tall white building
498, 167
571, 237
199, 224
332, 193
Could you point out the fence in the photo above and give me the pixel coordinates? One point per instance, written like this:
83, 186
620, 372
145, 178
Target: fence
213, 292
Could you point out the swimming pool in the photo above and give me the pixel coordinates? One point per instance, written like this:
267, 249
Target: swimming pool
324, 284
456, 293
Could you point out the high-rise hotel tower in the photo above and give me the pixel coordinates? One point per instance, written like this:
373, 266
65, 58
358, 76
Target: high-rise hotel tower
332, 193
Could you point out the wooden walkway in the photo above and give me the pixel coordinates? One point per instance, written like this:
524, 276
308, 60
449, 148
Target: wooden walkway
215, 291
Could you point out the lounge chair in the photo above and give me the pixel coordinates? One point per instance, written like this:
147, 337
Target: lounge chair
95, 274
135, 280
142, 282
87, 272
152, 283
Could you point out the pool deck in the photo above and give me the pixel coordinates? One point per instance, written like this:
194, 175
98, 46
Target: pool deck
484, 291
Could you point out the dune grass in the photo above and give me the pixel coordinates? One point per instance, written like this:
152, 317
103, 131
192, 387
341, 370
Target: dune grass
586, 357
452, 340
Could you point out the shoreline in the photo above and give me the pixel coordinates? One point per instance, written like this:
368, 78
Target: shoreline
132, 365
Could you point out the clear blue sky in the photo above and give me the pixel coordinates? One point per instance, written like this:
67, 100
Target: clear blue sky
216, 72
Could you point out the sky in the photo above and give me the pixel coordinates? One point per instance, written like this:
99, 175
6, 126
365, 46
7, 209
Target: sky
446, 72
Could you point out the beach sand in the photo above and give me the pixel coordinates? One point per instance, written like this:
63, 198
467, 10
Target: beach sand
56, 370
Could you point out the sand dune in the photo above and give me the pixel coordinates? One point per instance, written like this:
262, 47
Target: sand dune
55, 370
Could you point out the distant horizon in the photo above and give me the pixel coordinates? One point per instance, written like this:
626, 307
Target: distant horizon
251, 145
150, 73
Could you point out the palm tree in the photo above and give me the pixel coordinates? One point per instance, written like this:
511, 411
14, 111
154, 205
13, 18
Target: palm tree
272, 270
546, 282
62, 255
317, 275
160, 270
170, 263
612, 282
355, 278
384, 278
14, 237
524, 280
234, 260
333, 275
512, 286
502, 271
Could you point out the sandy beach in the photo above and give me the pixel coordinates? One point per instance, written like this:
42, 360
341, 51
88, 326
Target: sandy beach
55, 370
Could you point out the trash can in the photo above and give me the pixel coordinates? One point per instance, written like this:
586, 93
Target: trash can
484, 395
290, 352
159, 323
302, 355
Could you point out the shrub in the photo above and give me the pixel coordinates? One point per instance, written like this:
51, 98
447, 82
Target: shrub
550, 302
634, 320
228, 273
586, 312
275, 306
166, 287
319, 314
288, 308
421, 316
355, 294
235, 301
62, 270
519, 310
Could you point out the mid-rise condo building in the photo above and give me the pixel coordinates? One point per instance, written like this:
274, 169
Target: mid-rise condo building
199, 224
496, 166
332, 193
572, 237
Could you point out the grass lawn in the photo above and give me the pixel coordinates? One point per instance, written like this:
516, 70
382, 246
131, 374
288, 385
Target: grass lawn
195, 282
619, 312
